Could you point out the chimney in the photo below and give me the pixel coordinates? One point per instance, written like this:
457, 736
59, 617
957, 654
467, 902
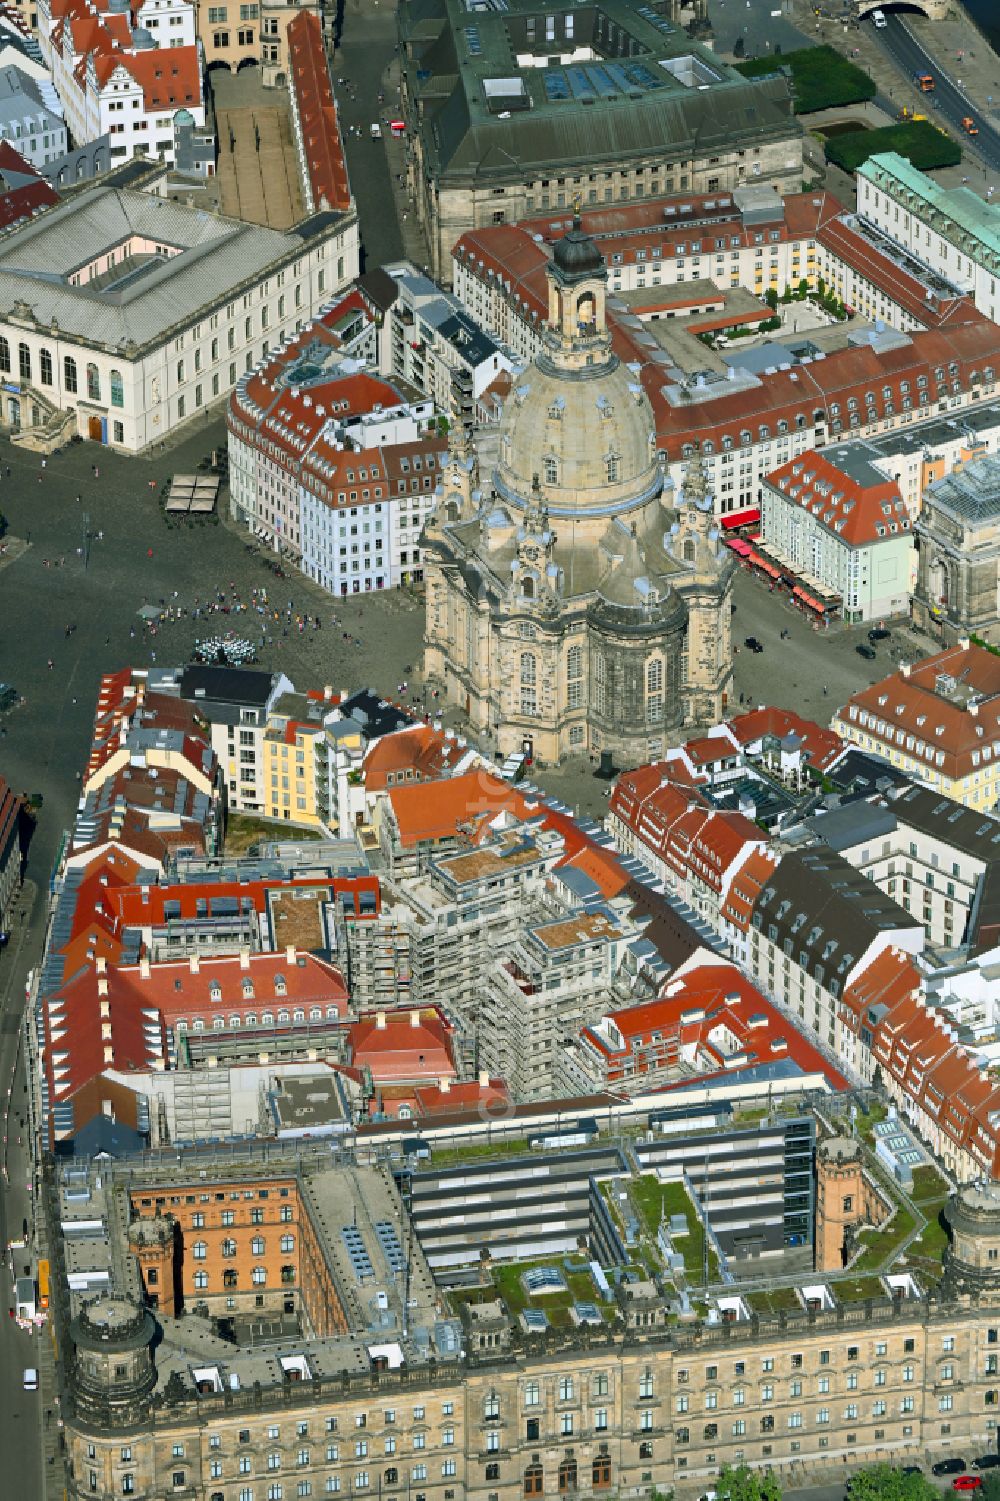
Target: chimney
109, 1053
445, 1085
102, 985
290, 953
195, 963
380, 1020
973, 709
904, 669
414, 1018
144, 968
484, 1078
102, 965
106, 1011
963, 643
327, 692
244, 957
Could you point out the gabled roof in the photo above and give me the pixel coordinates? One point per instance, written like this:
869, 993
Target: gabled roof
858, 512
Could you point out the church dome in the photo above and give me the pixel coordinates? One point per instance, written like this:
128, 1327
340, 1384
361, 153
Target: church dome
576, 255
587, 438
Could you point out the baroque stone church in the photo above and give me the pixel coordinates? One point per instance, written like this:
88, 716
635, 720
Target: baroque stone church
575, 603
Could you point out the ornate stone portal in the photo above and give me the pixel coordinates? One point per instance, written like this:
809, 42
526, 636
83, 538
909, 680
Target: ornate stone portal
575, 604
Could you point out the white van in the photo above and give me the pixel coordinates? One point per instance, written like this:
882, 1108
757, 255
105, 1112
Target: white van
30, 1379
878, 19
376, 129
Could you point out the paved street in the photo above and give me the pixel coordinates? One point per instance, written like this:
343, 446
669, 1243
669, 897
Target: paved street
367, 48
755, 21
949, 101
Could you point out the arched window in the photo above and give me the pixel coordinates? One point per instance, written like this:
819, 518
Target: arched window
534, 1480
69, 375
654, 690
117, 389
600, 684
528, 586
688, 550
567, 1476
529, 677
201, 1280
391, 1475
24, 361
45, 366
601, 1470
550, 467
613, 465
93, 383
574, 677
4, 355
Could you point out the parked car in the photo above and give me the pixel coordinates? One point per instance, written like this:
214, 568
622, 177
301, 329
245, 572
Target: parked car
949, 1467
865, 651
986, 1462
879, 633
30, 1379
752, 644
967, 1483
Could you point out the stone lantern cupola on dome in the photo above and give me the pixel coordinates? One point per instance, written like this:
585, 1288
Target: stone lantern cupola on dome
578, 286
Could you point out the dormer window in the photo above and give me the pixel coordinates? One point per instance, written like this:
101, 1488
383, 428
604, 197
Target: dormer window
215, 991
279, 985
248, 990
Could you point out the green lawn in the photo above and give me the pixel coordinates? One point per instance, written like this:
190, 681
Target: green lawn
928, 1184
774, 1301
581, 1288
919, 140
822, 77
926, 1254
880, 1244
475, 1151
857, 1289
654, 1200
243, 831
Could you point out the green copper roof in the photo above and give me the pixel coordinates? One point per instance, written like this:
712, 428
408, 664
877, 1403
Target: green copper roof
959, 210
508, 89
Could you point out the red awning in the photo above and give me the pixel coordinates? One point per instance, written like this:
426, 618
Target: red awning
738, 545
759, 562
807, 599
741, 518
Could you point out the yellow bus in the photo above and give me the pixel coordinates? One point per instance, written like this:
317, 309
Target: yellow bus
43, 1284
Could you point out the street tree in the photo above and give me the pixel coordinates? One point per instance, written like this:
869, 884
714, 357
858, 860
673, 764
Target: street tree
884, 1483
740, 1483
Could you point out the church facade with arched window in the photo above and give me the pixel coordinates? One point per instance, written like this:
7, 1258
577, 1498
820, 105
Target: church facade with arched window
576, 603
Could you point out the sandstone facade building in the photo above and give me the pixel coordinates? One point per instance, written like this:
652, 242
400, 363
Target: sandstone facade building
574, 604
154, 1404
958, 534
512, 113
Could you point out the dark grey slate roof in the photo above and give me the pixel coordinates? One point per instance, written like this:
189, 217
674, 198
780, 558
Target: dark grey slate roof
825, 913
852, 823
226, 685
972, 832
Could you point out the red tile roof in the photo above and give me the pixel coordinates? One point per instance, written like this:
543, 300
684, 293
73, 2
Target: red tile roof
419, 754
820, 745
713, 1019
316, 110
403, 1045
857, 514
914, 703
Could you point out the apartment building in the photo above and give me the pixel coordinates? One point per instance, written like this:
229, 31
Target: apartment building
936, 721
539, 995
815, 925
431, 341
932, 854
844, 530
114, 82
959, 542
